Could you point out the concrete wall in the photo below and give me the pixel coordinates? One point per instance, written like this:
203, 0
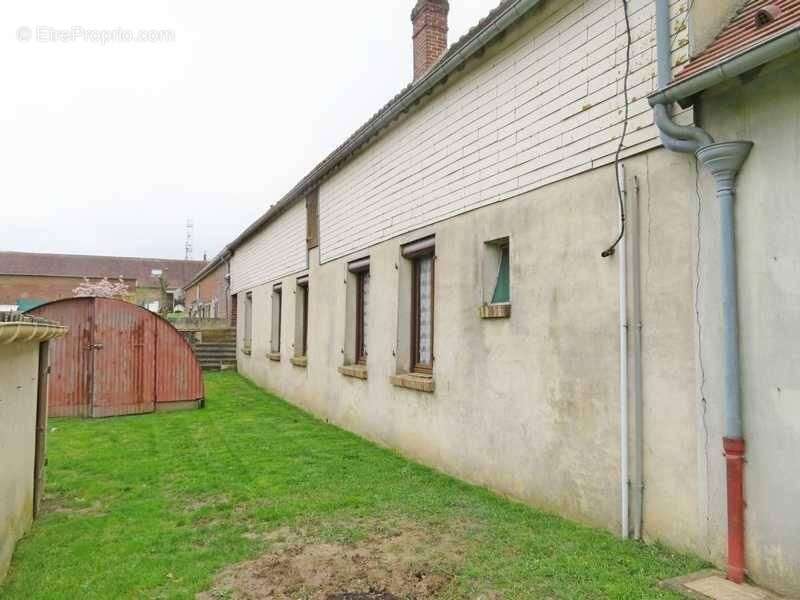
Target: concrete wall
531, 409
19, 365
765, 110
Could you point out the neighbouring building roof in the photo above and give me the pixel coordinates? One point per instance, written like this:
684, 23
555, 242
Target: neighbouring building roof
177, 272
16, 327
488, 29
743, 34
208, 269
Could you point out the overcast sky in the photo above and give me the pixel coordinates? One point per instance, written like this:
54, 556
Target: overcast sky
108, 148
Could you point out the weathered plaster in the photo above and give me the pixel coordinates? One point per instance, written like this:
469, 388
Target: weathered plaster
766, 110
19, 364
526, 405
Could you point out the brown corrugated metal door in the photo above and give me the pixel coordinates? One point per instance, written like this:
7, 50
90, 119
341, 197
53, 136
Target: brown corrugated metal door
178, 374
124, 359
70, 387
118, 359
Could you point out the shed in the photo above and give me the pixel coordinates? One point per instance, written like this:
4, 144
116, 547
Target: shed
118, 359
24, 344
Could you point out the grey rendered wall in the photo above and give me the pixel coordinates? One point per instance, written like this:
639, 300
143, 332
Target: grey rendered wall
527, 406
19, 365
765, 110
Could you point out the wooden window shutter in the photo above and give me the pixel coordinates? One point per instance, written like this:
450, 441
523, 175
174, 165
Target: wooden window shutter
312, 219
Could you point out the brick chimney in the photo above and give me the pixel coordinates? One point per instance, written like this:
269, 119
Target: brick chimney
430, 34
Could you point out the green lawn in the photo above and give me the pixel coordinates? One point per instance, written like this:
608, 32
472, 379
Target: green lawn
155, 506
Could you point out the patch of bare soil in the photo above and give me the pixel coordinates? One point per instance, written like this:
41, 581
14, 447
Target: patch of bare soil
78, 507
406, 562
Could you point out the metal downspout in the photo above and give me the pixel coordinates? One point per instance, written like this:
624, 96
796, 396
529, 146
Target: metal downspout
623, 373
637, 481
678, 138
723, 160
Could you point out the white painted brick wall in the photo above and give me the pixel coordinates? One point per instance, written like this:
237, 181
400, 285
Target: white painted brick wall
546, 108
277, 250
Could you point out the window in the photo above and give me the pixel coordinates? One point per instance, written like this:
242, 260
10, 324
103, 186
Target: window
362, 311
248, 321
301, 317
275, 338
421, 255
422, 345
502, 287
356, 320
496, 280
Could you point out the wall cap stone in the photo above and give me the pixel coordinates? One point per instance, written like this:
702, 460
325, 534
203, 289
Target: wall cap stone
495, 311
413, 381
357, 371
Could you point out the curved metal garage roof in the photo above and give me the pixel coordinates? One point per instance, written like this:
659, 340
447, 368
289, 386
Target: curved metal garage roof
118, 359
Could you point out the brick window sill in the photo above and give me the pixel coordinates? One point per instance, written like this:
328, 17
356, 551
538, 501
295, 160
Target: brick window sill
299, 361
413, 381
495, 311
274, 356
357, 371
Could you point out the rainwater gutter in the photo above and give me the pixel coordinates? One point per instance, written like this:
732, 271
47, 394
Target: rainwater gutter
27, 331
723, 160
683, 91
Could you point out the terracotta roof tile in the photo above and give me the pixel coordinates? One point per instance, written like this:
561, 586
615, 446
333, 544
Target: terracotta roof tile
178, 272
742, 33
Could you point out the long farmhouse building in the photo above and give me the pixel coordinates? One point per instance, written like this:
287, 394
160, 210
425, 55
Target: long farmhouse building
453, 281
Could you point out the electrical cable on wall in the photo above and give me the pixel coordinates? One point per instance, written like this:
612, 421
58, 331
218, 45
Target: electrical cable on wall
611, 249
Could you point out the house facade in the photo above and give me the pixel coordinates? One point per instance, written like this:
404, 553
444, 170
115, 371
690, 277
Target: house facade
207, 295
452, 283
28, 279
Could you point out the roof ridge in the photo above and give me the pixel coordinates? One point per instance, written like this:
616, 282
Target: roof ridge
110, 256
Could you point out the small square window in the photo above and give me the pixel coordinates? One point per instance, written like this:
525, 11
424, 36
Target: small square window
496, 279
502, 287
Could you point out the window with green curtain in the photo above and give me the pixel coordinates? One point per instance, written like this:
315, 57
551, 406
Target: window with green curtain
502, 289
